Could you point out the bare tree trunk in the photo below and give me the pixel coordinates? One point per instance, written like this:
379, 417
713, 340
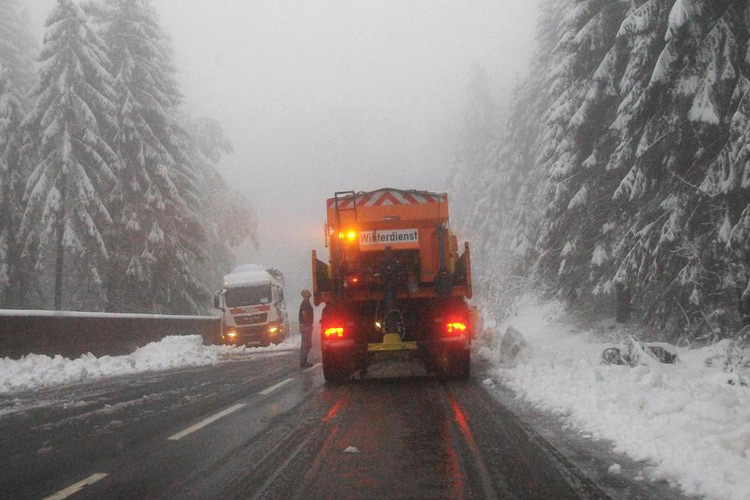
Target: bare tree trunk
60, 250
622, 297
5, 223
744, 306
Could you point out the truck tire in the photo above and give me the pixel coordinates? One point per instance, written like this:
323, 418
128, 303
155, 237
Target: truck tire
336, 368
461, 364
453, 364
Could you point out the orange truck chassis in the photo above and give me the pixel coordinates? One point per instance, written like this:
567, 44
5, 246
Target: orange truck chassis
395, 283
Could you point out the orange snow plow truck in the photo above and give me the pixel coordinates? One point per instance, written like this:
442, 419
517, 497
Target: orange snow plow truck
395, 284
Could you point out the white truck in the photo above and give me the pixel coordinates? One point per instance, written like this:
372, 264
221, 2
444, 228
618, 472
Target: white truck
253, 306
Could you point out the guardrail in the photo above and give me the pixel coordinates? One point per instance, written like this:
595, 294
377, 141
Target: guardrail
72, 334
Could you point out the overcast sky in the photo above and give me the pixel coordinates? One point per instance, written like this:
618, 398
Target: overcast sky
320, 96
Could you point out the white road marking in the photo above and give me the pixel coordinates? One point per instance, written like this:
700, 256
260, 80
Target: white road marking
313, 367
206, 422
75, 488
274, 387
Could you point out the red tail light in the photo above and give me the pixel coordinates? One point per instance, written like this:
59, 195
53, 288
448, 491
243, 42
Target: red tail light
334, 332
455, 329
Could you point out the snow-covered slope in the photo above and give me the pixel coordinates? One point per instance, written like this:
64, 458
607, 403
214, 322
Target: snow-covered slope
690, 420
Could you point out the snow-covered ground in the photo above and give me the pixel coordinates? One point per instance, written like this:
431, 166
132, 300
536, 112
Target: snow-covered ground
686, 421
38, 371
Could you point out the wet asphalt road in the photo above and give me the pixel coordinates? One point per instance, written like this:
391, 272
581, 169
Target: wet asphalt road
261, 428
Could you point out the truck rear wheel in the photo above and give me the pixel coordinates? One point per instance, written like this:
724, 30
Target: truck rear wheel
336, 367
453, 364
461, 364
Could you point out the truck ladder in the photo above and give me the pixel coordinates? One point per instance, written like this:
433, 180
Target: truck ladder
341, 195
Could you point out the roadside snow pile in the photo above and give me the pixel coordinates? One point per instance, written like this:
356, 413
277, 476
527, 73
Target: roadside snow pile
38, 371
690, 419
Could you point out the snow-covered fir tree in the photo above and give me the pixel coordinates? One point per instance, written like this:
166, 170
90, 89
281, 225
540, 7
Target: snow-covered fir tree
522, 160
504, 229
17, 46
72, 115
483, 187
676, 126
12, 183
640, 160
573, 193
157, 234
479, 136
226, 213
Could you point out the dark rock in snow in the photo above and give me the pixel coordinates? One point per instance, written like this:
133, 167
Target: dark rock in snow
511, 345
632, 351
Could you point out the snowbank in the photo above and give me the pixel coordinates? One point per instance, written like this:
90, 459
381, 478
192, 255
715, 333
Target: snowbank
686, 419
37, 371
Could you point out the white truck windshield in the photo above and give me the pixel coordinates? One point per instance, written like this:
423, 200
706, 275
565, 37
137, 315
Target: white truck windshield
248, 296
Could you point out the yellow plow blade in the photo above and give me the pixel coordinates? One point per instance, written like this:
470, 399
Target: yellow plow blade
392, 342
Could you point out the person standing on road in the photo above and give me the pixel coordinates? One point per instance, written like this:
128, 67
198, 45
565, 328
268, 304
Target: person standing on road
306, 314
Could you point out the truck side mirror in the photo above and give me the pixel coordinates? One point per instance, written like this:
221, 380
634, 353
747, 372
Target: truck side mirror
217, 301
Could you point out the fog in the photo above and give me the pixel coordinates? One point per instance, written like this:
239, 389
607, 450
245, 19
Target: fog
330, 95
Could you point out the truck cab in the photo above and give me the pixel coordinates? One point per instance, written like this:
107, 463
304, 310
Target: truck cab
253, 307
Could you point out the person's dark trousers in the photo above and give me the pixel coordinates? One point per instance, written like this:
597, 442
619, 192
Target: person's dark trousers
305, 331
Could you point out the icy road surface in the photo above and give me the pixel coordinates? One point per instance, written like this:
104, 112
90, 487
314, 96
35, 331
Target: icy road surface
257, 426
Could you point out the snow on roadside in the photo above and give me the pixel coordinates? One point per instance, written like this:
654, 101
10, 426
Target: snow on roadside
38, 371
686, 419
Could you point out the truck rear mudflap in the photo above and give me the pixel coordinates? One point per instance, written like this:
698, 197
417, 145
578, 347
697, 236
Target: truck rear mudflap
447, 358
